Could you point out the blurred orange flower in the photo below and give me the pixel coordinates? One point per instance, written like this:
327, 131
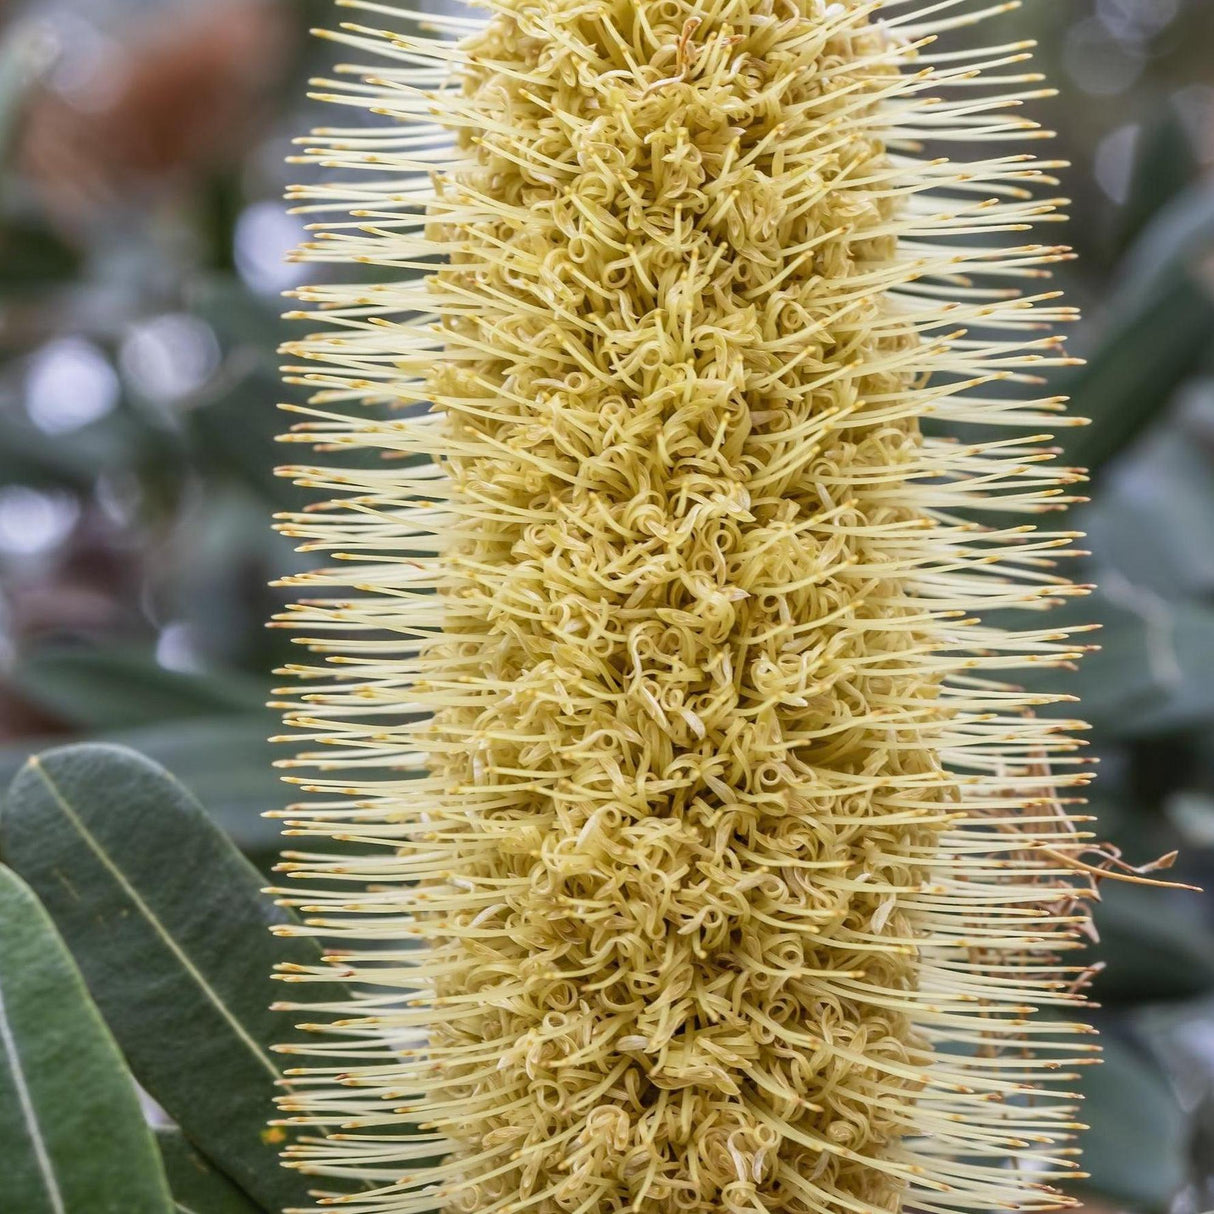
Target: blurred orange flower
184, 95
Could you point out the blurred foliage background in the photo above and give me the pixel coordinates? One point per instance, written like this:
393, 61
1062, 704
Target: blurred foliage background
141, 265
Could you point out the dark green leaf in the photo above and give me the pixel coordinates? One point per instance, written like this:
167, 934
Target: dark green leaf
1178, 235
197, 1187
168, 924
33, 257
1155, 341
72, 1134
236, 435
1154, 672
1201, 1149
1158, 328
232, 432
1153, 520
225, 761
1134, 1149
1163, 167
1154, 949
28, 456
117, 688
220, 593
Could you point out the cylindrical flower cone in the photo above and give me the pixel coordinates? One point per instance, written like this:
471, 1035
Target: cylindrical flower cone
697, 849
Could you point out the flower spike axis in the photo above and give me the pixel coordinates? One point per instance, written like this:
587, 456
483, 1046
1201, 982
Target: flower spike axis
693, 846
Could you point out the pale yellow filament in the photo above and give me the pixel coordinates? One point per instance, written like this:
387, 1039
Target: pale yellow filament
694, 853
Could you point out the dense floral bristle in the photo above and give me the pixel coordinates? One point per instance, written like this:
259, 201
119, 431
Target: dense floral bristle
693, 853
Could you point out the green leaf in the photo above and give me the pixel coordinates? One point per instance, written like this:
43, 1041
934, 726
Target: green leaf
235, 791
1184, 683
73, 1135
1157, 338
34, 257
1164, 165
1178, 235
28, 456
1155, 949
116, 688
1134, 1149
168, 924
1157, 332
197, 1187
1153, 520
1154, 672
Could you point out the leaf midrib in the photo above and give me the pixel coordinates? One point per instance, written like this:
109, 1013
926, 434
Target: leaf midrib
29, 1113
95, 846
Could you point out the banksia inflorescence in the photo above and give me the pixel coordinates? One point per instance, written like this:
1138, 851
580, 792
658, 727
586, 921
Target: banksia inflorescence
695, 854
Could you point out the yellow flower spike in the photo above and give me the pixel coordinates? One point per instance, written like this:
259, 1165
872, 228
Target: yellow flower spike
695, 855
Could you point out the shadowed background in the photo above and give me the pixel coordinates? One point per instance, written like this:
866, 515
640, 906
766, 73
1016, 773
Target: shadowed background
141, 264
